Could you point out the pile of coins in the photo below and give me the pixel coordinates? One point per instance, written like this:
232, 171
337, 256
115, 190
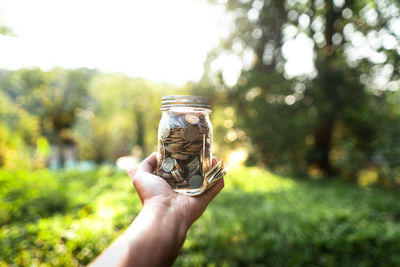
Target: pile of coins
212, 176
184, 142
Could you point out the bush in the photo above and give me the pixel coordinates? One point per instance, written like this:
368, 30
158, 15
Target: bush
258, 219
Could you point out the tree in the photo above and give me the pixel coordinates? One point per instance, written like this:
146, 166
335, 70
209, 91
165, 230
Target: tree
52, 97
295, 120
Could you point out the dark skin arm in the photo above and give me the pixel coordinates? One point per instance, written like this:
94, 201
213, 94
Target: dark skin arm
156, 235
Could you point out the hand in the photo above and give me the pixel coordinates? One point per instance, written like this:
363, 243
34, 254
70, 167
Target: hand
154, 191
159, 230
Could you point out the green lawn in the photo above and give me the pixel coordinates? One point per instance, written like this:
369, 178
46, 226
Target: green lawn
258, 219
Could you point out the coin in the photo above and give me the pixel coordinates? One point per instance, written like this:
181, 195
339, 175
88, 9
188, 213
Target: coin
182, 185
195, 181
192, 119
170, 181
203, 130
180, 156
190, 133
194, 171
165, 175
167, 165
194, 143
194, 148
189, 152
174, 176
177, 166
164, 132
191, 165
177, 176
172, 148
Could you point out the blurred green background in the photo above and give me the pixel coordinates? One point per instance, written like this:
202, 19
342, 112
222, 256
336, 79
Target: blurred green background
306, 112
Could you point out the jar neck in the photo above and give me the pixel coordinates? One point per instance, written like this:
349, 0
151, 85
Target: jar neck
185, 101
187, 109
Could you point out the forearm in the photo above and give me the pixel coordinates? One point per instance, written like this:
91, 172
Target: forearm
153, 239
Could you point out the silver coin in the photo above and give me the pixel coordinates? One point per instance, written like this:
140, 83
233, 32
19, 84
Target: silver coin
194, 171
167, 165
195, 181
191, 165
164, 132
192, 119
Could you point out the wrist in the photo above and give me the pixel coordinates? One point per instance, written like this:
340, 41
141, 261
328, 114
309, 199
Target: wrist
155, 236
166, 212
162, 220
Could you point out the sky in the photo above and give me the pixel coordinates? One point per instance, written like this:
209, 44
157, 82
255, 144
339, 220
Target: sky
155, 39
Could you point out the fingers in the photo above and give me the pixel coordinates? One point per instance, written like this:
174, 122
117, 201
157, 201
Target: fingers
214, 161
150, 163
148, 185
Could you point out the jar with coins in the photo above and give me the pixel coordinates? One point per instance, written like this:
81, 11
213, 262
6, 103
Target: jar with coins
185, 143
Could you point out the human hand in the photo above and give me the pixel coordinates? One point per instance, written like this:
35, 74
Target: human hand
155, 192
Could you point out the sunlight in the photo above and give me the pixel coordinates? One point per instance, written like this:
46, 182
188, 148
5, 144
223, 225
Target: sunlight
157, 40
237, 157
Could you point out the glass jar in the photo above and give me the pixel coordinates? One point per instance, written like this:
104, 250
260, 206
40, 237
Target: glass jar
185, 142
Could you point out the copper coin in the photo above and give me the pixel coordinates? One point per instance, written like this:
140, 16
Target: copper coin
182, 185
195, 143
167, 165
180, 156
203, 130
173, 148
177, 176
177, 166
193, 148
176, 129
170, 181
166, 175
190, 153
190, 133
192, 119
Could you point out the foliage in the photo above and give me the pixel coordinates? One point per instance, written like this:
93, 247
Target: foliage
49, 100
336, 115
258, 219
121, 113
104, 115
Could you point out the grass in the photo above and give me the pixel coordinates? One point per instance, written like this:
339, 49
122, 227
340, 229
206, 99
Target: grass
258, 219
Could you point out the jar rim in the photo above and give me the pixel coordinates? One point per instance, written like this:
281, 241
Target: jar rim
170, 101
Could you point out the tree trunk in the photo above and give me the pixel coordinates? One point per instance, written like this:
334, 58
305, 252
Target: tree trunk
322, 146
327, 58
61, 153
